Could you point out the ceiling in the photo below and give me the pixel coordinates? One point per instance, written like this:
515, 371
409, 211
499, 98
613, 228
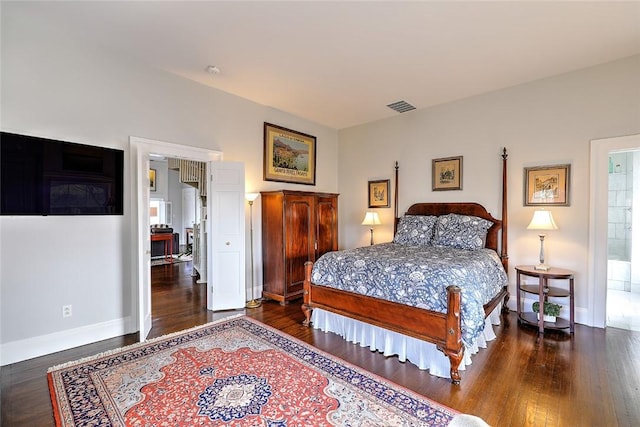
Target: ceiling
340, 63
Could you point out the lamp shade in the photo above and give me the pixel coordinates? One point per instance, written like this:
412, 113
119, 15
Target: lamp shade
542, 220
371, 218
251, 196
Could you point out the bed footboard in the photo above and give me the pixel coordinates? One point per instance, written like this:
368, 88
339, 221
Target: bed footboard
442, 329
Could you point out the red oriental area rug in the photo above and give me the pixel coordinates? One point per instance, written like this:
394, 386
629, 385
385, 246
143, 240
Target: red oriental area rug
235, 372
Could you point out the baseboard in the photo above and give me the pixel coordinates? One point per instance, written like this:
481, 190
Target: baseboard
18, 351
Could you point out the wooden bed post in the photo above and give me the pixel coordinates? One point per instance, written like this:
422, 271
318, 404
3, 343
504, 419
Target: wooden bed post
454, 347
395, 203
306, 293
503, 247
504, 256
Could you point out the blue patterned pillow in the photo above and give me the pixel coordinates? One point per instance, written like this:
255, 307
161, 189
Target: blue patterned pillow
461, 231
416, 230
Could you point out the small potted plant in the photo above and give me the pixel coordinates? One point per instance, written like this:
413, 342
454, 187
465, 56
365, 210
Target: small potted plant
551, 310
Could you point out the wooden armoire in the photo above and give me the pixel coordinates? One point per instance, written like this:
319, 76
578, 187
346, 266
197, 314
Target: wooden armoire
297, 226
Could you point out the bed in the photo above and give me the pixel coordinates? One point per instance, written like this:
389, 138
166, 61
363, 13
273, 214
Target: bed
443, 323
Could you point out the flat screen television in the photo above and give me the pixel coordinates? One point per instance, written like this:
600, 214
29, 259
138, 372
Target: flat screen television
40, 176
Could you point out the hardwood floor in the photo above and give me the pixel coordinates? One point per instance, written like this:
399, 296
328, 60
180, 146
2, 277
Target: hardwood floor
592, 379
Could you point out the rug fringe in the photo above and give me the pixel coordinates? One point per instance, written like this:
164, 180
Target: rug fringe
139, 344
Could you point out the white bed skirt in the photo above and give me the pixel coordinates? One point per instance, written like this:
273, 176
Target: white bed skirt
421, 353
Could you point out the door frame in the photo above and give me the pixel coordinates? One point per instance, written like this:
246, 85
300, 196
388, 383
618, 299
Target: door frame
598, 218
141, 151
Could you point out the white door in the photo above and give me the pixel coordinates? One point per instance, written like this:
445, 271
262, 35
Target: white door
226, 259
144, 248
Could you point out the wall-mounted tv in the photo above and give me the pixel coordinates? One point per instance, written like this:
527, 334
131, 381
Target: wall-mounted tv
41, 176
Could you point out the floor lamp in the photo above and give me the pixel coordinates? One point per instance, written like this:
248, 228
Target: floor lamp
250, 198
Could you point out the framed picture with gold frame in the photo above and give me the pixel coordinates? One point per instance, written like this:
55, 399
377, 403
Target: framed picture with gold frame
446, 174
547, 185
379, 194
152, 179
289, 156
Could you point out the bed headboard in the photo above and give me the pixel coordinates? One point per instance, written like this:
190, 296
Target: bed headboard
461, 208
467, 208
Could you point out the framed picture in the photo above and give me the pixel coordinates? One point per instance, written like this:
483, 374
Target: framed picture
152, 179
447, 174
379, 194
547, 185
289, 156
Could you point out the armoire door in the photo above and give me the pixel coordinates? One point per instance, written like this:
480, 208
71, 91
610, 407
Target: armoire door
300, 240
326, 225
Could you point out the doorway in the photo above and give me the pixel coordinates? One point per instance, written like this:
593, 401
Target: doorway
598, 274
177, 203
141, 151
173, 218
623, 254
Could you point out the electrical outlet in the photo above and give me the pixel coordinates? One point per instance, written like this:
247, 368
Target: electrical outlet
66, 311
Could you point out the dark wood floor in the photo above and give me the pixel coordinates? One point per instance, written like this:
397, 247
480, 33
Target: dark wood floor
592, 379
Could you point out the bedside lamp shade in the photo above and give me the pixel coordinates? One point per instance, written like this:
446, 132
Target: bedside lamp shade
371, 219
542, 220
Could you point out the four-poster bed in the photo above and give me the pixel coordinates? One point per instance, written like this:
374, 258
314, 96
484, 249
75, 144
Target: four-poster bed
443, 325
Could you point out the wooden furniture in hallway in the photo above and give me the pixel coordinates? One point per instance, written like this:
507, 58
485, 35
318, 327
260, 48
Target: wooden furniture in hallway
167, 243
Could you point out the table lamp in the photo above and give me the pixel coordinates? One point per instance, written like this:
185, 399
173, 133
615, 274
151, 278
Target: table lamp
542, 220
371, 219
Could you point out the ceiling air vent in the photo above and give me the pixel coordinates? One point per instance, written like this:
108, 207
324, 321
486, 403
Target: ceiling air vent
401, 106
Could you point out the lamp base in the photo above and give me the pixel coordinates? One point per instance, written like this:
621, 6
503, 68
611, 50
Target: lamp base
253, 304
542, 267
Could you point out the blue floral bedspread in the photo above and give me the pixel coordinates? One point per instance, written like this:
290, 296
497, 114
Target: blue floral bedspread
417, 276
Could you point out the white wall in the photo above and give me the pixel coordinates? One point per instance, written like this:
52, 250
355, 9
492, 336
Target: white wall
58, 88
546, 122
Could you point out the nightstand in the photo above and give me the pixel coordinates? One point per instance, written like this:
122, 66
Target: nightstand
544, 291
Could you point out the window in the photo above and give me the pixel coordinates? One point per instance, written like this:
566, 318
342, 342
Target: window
160, 212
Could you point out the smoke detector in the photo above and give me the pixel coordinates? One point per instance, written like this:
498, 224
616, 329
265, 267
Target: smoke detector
212, 69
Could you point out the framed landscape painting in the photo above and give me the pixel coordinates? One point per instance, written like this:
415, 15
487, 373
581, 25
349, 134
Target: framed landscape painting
289, 156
